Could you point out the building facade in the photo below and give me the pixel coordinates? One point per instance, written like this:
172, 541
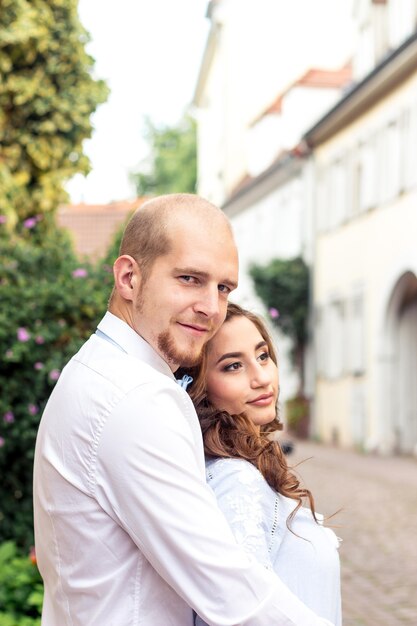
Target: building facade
259, 88
331, 175
365, 258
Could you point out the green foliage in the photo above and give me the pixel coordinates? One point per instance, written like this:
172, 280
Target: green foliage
297, 412
21, 589
172, 163
283, 286
47, 95
50, 303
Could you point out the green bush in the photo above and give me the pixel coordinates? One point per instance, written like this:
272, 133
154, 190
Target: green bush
283, 286
21, 589
50, 303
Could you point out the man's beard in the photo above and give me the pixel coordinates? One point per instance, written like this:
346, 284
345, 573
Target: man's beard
166, 344
172, 354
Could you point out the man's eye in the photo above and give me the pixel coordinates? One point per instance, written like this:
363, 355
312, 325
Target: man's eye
187, 279
224, 289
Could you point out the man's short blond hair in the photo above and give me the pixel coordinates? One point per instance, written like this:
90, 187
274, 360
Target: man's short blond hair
149, 233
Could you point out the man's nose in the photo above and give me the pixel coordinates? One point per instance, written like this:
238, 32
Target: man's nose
209, 302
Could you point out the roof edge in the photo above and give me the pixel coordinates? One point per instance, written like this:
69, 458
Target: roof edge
392, 70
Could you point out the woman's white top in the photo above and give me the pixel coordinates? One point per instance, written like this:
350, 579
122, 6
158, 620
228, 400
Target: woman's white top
306, 560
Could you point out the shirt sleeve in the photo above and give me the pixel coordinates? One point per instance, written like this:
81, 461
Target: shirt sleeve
149, 477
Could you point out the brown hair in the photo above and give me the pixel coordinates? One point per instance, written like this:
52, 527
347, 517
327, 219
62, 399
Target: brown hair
235, 436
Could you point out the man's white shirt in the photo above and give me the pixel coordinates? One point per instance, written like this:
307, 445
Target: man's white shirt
127, 531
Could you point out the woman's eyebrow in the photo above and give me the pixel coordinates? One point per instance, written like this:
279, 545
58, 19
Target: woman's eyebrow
238, 355
229, 355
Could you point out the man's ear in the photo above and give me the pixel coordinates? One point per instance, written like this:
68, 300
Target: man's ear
126, 276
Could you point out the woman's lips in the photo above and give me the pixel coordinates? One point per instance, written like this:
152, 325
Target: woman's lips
264, 400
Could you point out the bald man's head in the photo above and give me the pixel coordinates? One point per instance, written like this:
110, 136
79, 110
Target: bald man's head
152, 228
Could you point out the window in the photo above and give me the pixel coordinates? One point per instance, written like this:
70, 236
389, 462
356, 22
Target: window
401, 21
337, 193
409, 151
356, 176
388, 162
335, 339
356, 334
322, 202
367, 186
319, 344
393, 143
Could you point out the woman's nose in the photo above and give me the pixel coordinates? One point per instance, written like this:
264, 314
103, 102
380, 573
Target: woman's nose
260, 376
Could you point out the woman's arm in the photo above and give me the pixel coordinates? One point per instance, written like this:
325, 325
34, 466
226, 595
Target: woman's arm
249, 505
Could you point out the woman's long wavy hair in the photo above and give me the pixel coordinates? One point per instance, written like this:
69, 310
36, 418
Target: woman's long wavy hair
235, 436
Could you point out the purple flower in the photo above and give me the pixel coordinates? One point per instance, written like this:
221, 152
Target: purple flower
2, 442
38, 366
80, 272
22, 334
3, 219
8, 417
33, 409
30, 222
274, 313
54, 374
9, 354
39, 339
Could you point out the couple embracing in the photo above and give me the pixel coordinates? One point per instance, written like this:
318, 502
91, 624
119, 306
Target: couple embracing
156, 505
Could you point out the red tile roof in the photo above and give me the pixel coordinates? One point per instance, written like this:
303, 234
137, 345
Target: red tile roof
326, 78
93, 226
315, 78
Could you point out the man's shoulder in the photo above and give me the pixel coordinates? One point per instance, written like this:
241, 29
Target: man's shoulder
98, 358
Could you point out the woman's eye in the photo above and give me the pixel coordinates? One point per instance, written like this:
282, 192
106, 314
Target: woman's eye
232, 367
264, 356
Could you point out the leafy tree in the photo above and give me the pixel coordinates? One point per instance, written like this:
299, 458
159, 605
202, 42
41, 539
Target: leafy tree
47, 95
172, 163
283, 286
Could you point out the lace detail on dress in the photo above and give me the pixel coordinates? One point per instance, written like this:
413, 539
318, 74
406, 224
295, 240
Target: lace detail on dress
241, 503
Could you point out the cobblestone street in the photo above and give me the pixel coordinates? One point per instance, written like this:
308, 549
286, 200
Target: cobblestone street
378, 526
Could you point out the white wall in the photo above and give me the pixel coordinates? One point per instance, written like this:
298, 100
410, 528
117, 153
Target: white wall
262, 47
362, 250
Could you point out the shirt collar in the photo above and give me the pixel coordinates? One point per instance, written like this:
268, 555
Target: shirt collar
120, 333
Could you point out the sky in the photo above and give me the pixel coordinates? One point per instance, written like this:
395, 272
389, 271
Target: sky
149, 53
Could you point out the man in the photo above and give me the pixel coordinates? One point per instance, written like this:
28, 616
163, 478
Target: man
127, 532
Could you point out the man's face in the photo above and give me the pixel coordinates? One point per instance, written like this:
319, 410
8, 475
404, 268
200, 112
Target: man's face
183, 301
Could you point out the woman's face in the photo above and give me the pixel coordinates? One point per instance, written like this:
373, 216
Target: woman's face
241, 376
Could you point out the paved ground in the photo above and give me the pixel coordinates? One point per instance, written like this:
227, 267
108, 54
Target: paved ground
378, 526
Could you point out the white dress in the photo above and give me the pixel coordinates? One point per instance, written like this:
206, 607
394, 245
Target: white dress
308, 563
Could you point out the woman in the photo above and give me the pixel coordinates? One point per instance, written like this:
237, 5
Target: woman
235, 391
